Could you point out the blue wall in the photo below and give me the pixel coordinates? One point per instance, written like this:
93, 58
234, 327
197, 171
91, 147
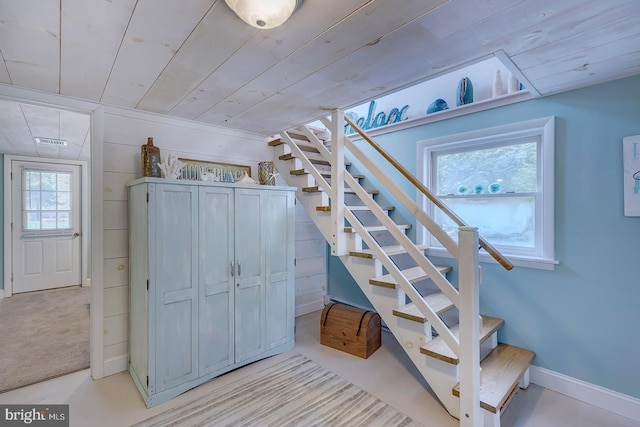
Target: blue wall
2, 221
583, 318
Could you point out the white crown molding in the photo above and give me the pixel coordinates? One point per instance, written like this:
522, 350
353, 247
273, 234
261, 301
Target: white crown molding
609, 400
180, 122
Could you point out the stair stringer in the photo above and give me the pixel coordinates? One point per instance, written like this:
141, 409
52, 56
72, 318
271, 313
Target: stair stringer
440, 376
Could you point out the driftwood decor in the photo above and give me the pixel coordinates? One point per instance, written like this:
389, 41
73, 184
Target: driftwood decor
218, 172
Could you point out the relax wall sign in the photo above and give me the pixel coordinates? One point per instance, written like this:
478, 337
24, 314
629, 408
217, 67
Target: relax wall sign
373, 120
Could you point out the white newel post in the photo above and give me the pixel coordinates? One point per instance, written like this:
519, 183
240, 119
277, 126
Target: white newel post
469, 288
338, 237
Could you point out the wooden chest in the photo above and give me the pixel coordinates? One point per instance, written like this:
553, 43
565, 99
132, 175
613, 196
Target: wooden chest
350, 329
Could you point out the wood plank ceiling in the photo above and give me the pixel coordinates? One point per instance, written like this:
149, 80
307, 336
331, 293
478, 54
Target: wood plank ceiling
196, 60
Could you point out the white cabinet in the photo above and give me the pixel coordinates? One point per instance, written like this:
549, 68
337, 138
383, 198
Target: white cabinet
211, 282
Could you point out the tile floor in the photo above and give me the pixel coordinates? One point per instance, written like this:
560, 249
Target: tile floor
388, 374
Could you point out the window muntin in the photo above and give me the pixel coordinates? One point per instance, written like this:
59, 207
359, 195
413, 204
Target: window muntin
47, 200
499, 180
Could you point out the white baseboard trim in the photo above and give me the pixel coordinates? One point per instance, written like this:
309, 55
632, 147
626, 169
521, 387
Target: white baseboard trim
115, 364
329, 298
609, 400
309, 307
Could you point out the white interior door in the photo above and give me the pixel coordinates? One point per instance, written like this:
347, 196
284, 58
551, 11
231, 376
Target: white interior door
45, 224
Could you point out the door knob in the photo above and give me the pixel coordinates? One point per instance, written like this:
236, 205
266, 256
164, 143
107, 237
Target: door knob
76, 234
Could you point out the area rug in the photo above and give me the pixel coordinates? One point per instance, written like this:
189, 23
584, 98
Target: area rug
45, 334
293, 392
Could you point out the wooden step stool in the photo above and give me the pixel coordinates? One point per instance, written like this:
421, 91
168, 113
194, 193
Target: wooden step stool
350, 329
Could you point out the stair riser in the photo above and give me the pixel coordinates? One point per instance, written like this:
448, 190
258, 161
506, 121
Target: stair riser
301, 181
421, 330
281, 149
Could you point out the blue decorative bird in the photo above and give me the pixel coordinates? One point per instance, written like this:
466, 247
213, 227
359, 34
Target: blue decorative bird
437, 105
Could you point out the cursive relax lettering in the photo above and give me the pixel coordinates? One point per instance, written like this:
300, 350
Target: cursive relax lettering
373, 120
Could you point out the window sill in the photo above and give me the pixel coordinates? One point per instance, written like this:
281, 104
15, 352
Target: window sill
518, 261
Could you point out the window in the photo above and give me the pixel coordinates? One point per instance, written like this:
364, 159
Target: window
46, 200
499, 180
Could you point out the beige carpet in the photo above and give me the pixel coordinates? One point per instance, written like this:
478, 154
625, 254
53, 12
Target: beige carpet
45, 334
294, 392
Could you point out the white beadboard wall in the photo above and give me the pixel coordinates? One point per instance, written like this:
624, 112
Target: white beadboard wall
311, 264
124, 133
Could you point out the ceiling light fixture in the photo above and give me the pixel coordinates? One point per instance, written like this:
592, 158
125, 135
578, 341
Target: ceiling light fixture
50, 141
264, 14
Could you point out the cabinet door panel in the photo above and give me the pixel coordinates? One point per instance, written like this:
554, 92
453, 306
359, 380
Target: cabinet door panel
217, 270
216, 333
175, 282
176, 356
279, 268
250, 275
249, 237
278, 313
249, 322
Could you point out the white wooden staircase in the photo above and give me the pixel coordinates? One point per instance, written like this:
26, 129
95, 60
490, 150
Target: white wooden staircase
441, 329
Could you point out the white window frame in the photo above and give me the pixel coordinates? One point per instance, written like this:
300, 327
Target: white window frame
543, 130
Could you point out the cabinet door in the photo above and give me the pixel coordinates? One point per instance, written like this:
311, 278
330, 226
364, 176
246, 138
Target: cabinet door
217, 271
280, 225
249, 291
175, 265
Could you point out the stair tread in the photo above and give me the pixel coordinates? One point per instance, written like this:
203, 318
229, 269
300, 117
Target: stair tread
377, 228
389, 250
354, 208
366, 208
438, 302
327, 174
413, 274
501, 370
439, 349
324, 174
314, 157
346, 190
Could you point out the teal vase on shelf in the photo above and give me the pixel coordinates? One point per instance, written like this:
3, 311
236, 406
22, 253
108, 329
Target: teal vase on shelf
465, 92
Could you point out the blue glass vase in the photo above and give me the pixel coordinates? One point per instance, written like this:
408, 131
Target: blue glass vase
465, 92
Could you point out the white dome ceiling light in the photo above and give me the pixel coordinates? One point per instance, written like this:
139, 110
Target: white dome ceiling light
264, 14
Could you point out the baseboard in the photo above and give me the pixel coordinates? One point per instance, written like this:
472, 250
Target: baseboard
116, 364
609, 400
329, 299
310, 307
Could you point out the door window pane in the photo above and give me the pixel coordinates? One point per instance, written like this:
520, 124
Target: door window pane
47, 200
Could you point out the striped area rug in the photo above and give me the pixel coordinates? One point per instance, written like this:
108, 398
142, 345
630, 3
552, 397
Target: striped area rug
294, 392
